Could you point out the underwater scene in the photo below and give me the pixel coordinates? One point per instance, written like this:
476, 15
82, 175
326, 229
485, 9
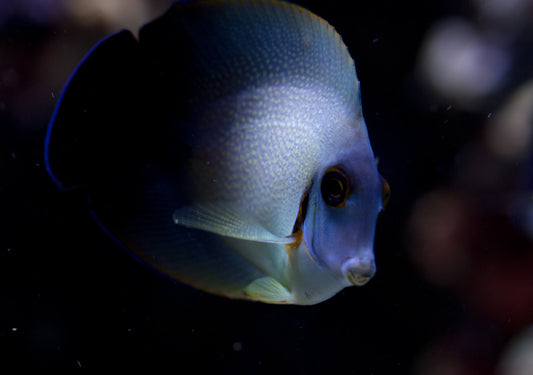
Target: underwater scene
264, 186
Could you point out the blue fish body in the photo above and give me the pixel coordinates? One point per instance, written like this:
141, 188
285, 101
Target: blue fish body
227, 149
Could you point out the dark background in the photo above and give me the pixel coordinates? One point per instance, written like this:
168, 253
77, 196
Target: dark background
454, 289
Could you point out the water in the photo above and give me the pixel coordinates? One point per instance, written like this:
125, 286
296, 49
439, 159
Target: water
453, 284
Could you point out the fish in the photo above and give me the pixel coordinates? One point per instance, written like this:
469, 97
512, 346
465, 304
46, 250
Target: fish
226, 148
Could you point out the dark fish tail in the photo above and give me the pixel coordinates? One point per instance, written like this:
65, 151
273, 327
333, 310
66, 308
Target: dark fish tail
96, 113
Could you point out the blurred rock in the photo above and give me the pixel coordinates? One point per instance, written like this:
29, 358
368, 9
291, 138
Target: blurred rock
440, 237
509, 134
461, 64
517, 358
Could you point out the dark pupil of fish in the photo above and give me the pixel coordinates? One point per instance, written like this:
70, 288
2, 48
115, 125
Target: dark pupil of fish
334, 188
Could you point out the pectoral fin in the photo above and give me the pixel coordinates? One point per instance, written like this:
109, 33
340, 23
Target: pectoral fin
223, 219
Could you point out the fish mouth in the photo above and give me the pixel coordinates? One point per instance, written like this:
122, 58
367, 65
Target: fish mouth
359, 270
356, 279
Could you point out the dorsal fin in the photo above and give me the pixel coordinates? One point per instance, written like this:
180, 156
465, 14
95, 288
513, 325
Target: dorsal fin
218, 48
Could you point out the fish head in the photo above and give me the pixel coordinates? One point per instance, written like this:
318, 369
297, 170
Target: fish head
344, 201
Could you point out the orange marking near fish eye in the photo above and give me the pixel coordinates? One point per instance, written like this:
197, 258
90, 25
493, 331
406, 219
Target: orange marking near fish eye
297, 236
297, 232
302, 212
385, 194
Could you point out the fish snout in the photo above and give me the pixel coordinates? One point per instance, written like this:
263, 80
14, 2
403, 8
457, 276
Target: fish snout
359, 270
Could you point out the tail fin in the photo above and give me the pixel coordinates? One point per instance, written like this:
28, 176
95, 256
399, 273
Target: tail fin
94, 111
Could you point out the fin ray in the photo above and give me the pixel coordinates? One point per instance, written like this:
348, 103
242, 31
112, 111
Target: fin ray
220, 218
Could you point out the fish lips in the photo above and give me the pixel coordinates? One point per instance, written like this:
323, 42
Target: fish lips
359, 270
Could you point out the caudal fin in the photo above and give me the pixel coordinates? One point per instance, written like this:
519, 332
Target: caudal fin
94, 111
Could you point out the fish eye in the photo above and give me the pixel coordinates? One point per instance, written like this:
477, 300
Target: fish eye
334, 187
385, 193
